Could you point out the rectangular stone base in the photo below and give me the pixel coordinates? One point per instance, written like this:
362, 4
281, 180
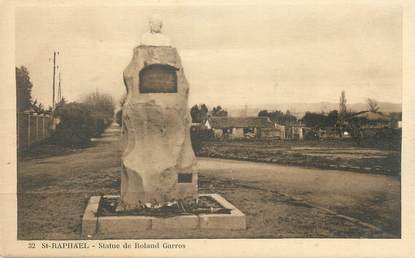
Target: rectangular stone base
112, 226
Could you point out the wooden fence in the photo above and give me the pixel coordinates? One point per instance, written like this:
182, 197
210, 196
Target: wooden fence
32, 128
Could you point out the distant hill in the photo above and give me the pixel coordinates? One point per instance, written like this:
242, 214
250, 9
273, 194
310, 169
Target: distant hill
299, 109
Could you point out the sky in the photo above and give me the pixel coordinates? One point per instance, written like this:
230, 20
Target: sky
232, 54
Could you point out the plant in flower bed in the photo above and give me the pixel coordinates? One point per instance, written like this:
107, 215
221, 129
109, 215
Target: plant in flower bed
203, 205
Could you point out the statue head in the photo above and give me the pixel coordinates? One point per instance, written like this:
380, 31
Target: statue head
155, 23
154, 37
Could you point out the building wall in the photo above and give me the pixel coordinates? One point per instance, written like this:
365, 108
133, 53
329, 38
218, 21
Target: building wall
217, 133
294, 132
271, 133
238, 133
300, 133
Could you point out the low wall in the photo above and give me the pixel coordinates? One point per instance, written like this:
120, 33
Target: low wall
32, 128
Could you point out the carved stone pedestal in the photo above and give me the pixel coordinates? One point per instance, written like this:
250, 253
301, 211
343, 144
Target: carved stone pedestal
102, 227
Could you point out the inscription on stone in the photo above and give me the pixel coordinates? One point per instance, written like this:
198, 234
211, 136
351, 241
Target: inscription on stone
184, 178
158, 78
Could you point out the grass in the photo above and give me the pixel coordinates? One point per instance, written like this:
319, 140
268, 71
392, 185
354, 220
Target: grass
345, 155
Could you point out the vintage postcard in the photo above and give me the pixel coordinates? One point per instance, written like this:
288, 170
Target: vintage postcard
207, 129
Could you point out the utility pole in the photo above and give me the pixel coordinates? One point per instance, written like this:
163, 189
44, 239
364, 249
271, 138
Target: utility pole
59, 89
53, 83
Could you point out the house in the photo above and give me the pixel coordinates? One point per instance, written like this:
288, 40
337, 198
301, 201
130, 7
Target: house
294, 132
276, 132
368, 119
239, 127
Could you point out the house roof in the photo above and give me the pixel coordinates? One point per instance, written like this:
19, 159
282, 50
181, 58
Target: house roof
240, 122
373, 116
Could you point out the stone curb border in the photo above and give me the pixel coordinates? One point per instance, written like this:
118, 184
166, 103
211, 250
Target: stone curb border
377, 170
108, 226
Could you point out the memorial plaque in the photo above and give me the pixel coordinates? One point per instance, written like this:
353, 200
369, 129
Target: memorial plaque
158, 79
184, 177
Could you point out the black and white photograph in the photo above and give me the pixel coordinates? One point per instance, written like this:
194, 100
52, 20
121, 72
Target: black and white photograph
207, 121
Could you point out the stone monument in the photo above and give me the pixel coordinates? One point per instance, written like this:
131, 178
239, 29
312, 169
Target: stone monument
159, 178
158, 162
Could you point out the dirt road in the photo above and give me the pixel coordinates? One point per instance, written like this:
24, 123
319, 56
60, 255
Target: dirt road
374, 199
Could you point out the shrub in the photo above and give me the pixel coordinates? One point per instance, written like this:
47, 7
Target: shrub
198, 136
383, 138
76, 125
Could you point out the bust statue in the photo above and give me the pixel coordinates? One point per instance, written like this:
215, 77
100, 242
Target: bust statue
154, 37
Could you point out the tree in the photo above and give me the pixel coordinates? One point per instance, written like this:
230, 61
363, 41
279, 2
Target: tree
397, 116
118, 115
39, 107
288, 118
263, 113
315, 120
23, 89
218, 111
332, 118
276, 116
60, 103
203, 112
195, 114
279, 117
101, 107
343, 103
341, 118
372, 105
199, 115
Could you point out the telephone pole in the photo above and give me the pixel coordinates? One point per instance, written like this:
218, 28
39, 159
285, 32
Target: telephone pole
55, 53
59, 88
